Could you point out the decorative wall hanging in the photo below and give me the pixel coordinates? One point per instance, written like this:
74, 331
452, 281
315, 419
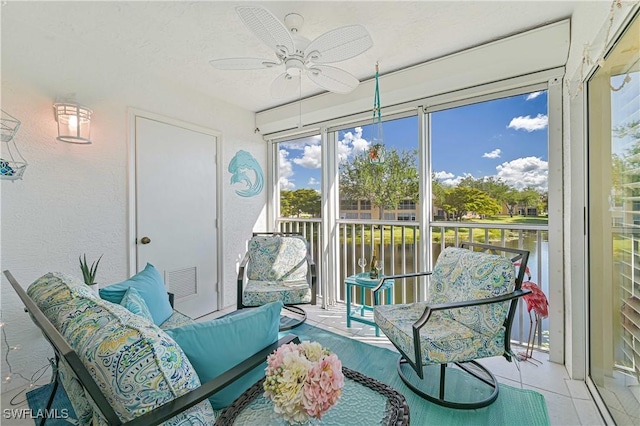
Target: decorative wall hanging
240, 167
376, 150
13, 164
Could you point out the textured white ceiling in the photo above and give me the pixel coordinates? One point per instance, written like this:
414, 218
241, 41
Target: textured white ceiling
69, 47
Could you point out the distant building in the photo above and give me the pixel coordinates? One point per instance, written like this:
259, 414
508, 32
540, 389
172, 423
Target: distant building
407, 211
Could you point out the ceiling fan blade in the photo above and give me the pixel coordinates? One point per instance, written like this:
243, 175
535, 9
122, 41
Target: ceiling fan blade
285, 86
242, 63
332, 79
267, 28
339, 44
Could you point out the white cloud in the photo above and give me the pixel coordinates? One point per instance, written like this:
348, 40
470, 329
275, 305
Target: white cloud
343, 151
443, 175
523, 172
528, 123
452, 182
311, 158
352, 143
449, 179
286, 184
493, 154
313, 181
285, 170
533, 95
299, 144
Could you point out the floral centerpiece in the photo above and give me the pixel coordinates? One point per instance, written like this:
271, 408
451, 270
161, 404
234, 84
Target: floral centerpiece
303, 381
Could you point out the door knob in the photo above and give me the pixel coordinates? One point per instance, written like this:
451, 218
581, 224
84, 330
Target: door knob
145, 240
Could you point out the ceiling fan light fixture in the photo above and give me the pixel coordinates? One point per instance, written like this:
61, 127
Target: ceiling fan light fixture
295, 67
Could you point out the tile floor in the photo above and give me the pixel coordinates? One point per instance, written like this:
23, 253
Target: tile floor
568, 401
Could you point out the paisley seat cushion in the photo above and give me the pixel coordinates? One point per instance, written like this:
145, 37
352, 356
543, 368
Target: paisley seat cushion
257, 293
136, 365
277, 258
443, 339
462, 334
461, 274
136, 304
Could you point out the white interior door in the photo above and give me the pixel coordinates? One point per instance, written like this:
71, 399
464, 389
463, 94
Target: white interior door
176, 210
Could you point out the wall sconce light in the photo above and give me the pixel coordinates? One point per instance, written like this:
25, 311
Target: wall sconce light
74, 122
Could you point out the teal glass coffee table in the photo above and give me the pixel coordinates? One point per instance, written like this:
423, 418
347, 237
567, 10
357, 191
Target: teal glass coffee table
364, 401
365, 283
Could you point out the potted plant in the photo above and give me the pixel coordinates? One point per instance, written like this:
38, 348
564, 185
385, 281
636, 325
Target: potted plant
89, 273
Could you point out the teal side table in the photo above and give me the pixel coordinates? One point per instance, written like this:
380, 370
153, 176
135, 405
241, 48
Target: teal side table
364, 282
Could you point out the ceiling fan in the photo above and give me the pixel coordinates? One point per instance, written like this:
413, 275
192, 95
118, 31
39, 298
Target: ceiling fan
298, 54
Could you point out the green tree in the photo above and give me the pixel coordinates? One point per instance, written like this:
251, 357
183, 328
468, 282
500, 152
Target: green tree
511, 200
460, 200
286, 203
308, 201
294, 203
529, 197
384, 185
438, 192
543, 203
494, 187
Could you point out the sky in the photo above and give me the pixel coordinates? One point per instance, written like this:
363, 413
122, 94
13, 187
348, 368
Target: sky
505, 138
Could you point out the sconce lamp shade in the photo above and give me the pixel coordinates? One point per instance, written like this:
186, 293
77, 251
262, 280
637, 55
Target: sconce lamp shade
74, 122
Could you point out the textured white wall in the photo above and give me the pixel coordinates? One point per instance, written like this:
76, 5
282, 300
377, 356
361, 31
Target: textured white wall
73, 198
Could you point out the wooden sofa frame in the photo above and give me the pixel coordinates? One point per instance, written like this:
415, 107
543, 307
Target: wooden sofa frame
158, 415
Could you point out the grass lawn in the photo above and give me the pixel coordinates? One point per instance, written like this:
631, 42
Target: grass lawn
515, 220
463, 233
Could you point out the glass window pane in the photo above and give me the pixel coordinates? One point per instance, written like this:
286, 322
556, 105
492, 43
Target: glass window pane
385, 181
490, 161
300, 177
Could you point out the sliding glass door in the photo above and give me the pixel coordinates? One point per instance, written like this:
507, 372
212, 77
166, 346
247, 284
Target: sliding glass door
614, 228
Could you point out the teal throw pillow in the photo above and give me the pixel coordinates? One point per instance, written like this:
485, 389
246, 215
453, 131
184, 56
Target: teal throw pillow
150, 286
216, 346
136, 304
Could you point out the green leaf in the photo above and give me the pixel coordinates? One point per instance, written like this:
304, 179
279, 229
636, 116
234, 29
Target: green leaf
89, 272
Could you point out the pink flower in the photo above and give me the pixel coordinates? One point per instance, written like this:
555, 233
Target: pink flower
303, 381
323, 386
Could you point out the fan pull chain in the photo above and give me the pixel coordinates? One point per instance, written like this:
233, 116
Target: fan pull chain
300, 101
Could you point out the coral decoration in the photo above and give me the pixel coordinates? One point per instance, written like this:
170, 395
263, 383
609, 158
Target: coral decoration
303, 381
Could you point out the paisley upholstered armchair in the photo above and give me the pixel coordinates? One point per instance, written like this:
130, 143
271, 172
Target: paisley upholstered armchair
278, 267
472, 299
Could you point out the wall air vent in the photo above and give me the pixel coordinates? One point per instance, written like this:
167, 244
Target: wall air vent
182, 282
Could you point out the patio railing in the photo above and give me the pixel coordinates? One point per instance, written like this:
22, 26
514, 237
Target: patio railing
397, 247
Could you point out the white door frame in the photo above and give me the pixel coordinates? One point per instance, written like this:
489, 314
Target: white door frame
132, 113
